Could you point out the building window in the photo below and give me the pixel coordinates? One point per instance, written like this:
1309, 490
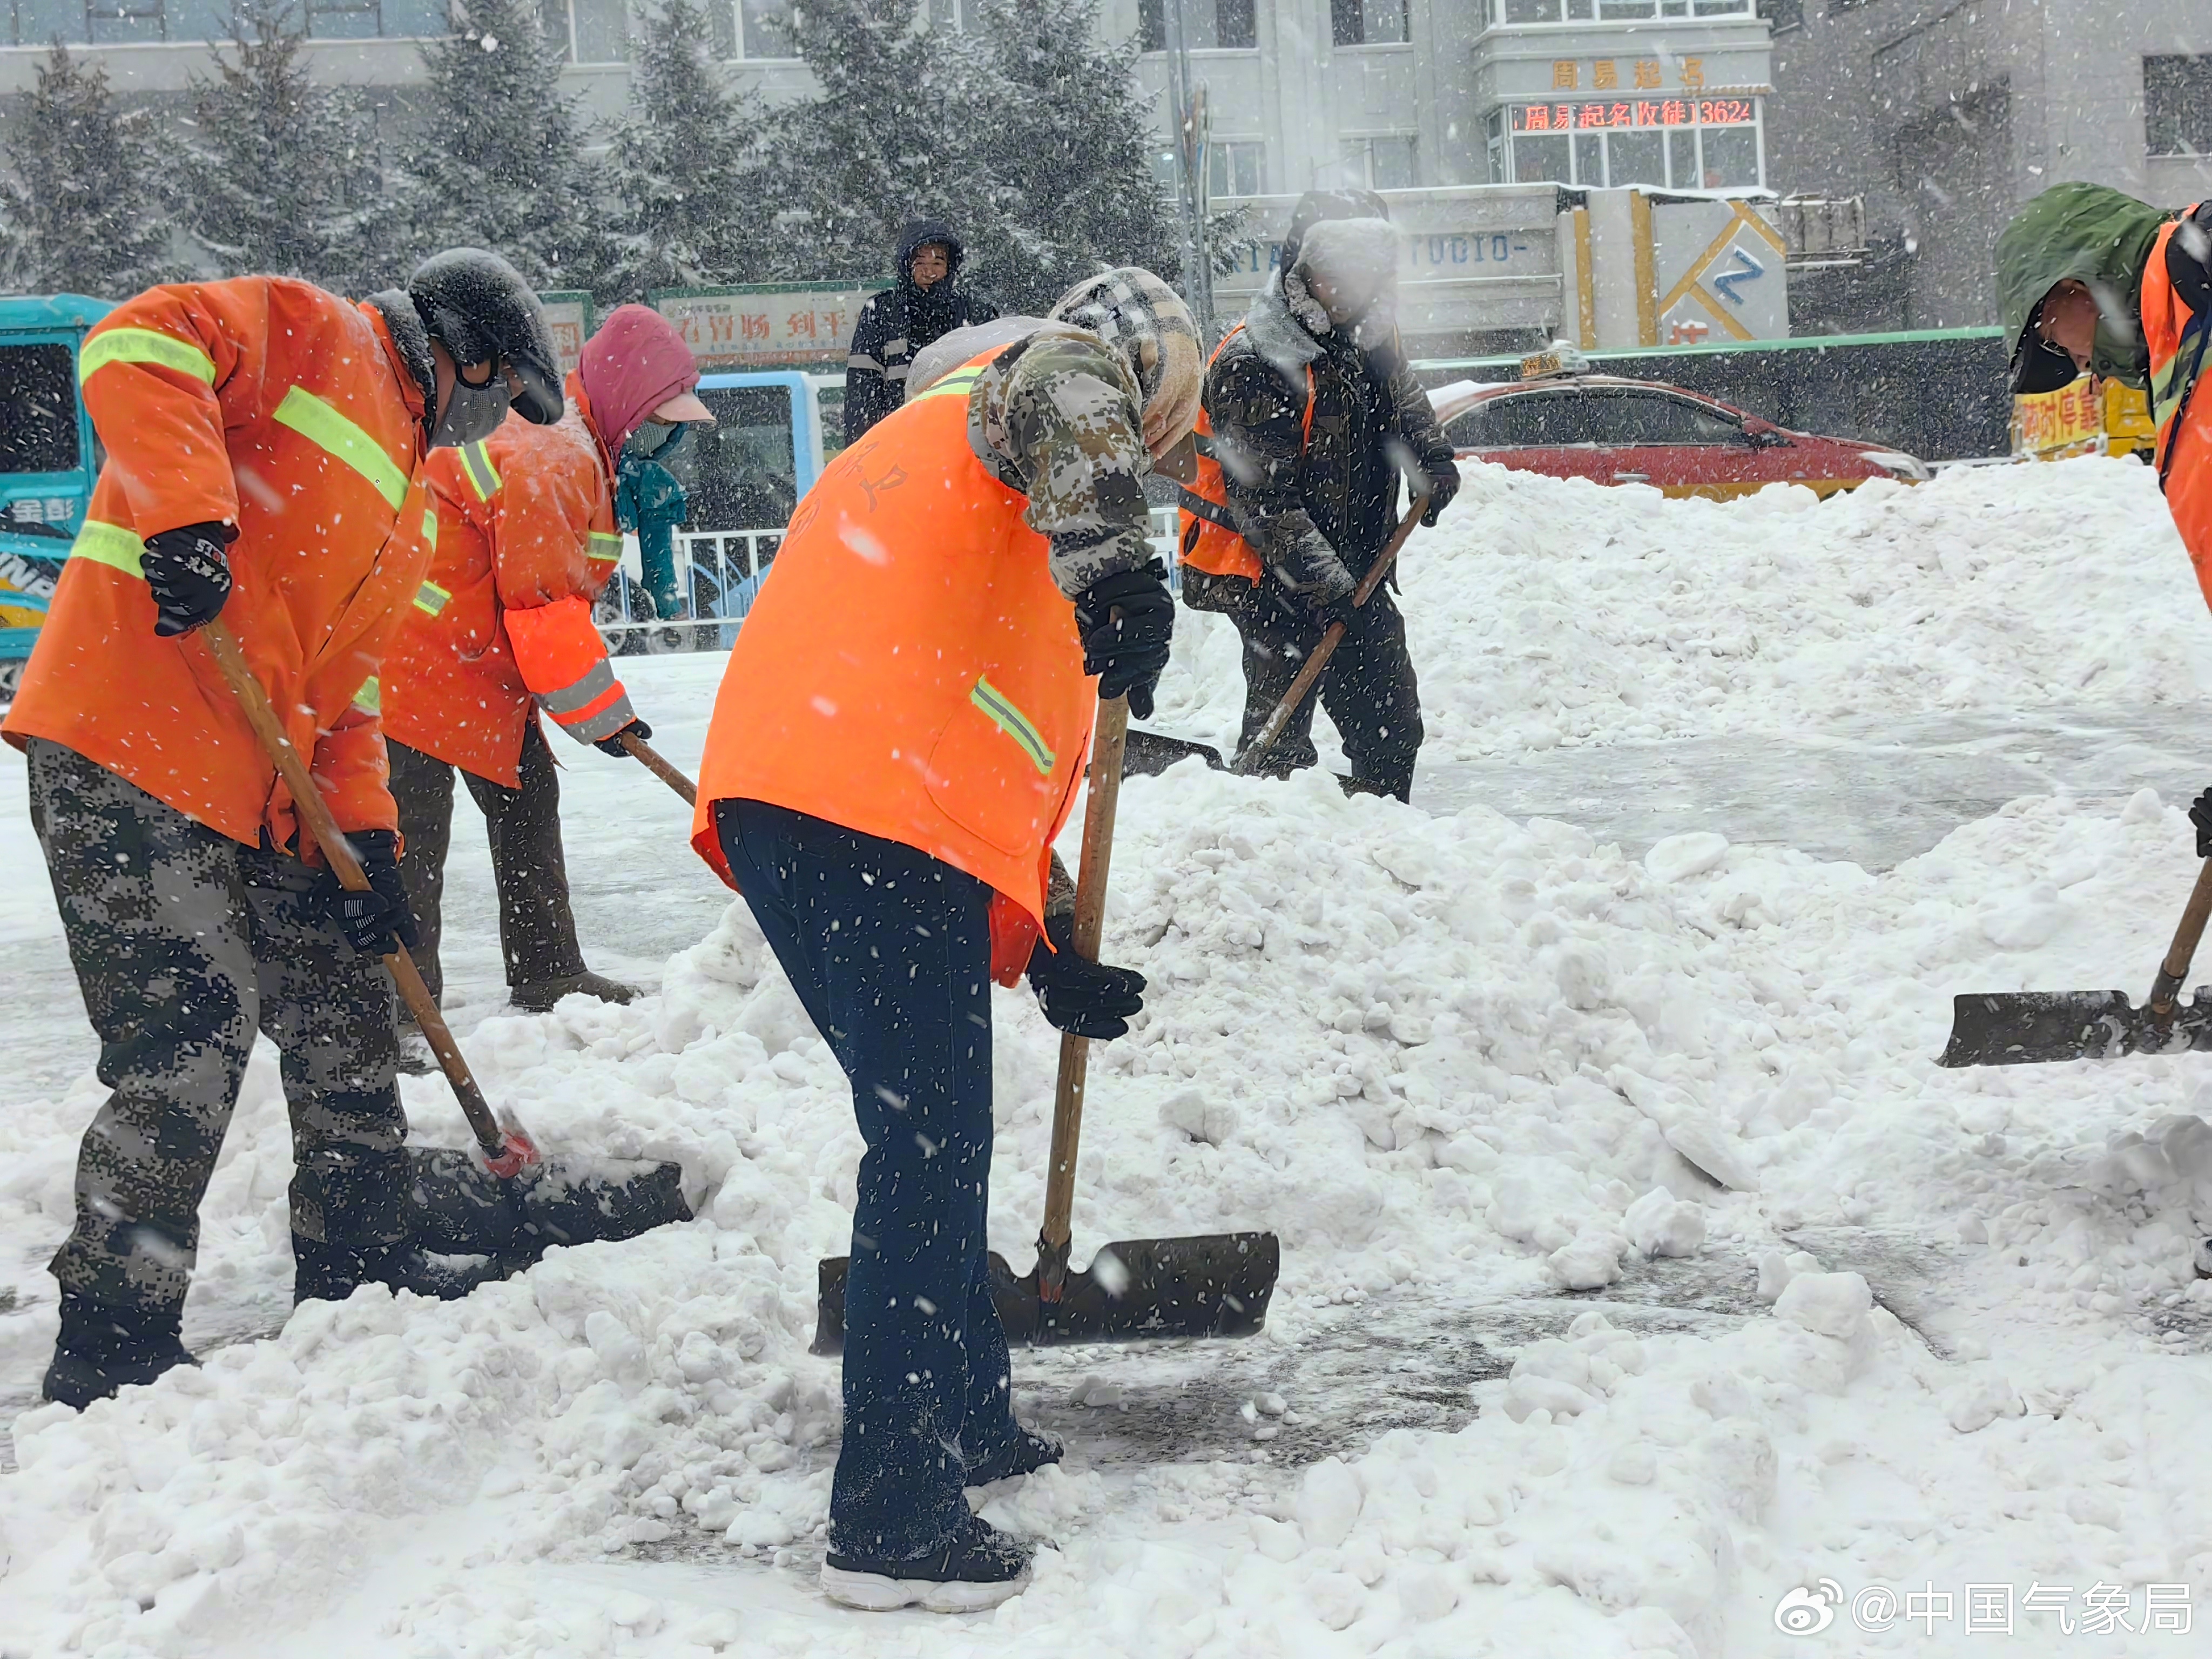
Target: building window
345, 20
117, 22
2177, 106
1370, 22
948, 15
1208, 25
1677, 144
1233, 166
1383, 163
1783, 16
765, 27
1528, 14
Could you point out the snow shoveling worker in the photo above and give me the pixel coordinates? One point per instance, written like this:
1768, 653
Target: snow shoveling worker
899, 736
263, 446
2095, 281
1311, 415
500, 630
921, 308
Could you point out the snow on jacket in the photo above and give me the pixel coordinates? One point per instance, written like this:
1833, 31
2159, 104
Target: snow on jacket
267, 404
502, 623
1318, 508
899, 322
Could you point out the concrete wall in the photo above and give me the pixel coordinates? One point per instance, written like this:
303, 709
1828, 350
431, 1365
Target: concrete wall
1949, 114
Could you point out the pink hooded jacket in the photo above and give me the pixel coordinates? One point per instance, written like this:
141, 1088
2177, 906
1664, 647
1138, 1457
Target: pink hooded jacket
632, 364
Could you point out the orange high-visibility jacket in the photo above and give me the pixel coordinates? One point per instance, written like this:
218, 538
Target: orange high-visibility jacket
502, 623
2178, 339
1210, 540
910, 671
267, 404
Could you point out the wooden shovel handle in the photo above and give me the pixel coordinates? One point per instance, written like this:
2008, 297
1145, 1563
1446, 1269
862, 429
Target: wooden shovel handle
2165, 990
642, 750
1248, 763
308, 801
1090, 876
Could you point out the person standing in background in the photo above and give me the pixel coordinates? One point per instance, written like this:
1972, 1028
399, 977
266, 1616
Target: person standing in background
925, 306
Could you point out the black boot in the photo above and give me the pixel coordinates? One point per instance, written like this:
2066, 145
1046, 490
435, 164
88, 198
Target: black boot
331, 1272
1025, 1454
103, 1349
978, 1567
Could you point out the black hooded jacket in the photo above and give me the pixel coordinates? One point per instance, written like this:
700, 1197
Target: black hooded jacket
899, 322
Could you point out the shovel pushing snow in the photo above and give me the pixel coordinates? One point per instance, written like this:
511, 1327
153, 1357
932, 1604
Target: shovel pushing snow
1135, 1290
2027, 1028
526, 1202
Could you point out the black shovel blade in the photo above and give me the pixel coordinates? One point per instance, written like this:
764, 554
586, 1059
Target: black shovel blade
459, 1207
1148, 753
1135, 1290
2031, 1028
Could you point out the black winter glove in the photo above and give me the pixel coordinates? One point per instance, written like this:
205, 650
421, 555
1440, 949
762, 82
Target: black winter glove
1441, 483
1085, 998
1323, 612
1128, 622
2199, 814
376, 922
613, 746
189, 572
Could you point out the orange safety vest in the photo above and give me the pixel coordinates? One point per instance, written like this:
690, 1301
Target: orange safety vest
267, 404
1210, 540
502, 623
2177, 337
910, 671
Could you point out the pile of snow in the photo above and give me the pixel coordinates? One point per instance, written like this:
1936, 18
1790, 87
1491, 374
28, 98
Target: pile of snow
1456, 1059
1544, 611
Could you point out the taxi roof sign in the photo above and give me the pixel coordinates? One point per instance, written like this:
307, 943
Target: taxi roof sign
1556, 360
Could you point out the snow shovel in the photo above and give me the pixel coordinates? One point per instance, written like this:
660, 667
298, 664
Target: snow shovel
2029, 1028
1150, 753
1214, 1284
524, 1203
650, 759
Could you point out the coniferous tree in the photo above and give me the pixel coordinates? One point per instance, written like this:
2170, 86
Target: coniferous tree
500, 161
683, 166
1056, 178
269, 162
877, 148
81, 213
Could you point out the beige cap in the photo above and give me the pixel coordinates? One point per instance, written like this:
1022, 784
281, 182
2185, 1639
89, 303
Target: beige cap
684, 406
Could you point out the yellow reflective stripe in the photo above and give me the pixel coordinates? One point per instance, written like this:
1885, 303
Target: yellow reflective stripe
604, 546
1010, 720
960, 380
430, 528
431, 597
370, 698
143, 345
110, 544
332, 432
484, 476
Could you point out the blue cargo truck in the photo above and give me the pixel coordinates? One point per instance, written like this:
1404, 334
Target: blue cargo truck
48, 460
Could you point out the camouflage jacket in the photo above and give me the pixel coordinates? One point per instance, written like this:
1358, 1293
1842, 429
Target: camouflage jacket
1057, 417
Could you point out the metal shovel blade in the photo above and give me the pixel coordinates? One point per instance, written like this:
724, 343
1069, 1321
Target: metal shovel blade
458, 1207
1135, 1290
1148, 753
2032, 1028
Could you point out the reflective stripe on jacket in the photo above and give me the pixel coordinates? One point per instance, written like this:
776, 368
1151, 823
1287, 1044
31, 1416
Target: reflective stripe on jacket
911, 669
267, 404
503, 621
2176, 336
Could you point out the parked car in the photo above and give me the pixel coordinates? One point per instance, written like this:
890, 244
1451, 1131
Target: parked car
1561, 421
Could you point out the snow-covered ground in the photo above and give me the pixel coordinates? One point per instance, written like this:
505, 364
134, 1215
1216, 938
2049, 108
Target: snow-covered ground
1642, 1273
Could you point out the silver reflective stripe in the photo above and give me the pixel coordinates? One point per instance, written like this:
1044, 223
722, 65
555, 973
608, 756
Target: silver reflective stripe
604, 724
579, 694
857, 361
898, 371
892, 347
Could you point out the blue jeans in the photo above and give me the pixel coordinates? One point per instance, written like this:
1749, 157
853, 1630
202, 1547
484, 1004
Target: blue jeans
890, 951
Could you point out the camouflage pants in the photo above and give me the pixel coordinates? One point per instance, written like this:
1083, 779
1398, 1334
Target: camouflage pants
184, 942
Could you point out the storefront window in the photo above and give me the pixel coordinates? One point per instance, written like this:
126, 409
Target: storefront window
1731, 158
1679, 143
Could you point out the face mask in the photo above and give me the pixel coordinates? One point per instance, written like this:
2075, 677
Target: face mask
471, 412
654, 441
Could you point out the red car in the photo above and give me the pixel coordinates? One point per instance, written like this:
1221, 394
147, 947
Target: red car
1574, 425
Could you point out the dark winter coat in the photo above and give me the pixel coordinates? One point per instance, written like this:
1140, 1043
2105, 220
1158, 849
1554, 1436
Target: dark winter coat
1342, 485
899, 322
